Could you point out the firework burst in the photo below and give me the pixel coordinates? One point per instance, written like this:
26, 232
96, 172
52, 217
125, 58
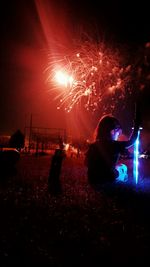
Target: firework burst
87, 75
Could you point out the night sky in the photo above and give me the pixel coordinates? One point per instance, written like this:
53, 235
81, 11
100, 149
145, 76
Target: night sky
28, 31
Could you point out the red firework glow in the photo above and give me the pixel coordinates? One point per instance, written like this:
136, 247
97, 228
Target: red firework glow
88, 75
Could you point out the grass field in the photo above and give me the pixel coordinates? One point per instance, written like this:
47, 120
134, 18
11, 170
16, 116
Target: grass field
77, 227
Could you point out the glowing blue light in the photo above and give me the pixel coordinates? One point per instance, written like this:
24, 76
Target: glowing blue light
136, 158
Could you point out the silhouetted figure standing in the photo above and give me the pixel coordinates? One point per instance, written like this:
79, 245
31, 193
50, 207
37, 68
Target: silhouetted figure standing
54, 184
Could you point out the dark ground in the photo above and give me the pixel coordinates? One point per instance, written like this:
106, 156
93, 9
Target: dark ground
79, 227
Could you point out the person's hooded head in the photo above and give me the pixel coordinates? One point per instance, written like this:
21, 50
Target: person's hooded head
108, 128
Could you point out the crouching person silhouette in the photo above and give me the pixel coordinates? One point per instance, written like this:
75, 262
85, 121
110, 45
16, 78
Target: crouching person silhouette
103, 154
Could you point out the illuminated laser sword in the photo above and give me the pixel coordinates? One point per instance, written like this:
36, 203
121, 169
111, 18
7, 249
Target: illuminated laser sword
136, 158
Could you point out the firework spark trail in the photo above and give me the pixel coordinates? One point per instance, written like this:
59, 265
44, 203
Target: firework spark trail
96, 73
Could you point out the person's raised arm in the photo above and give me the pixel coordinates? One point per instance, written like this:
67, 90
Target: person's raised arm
137, 122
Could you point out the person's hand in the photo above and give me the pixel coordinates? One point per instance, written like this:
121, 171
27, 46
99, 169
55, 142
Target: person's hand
137, 119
